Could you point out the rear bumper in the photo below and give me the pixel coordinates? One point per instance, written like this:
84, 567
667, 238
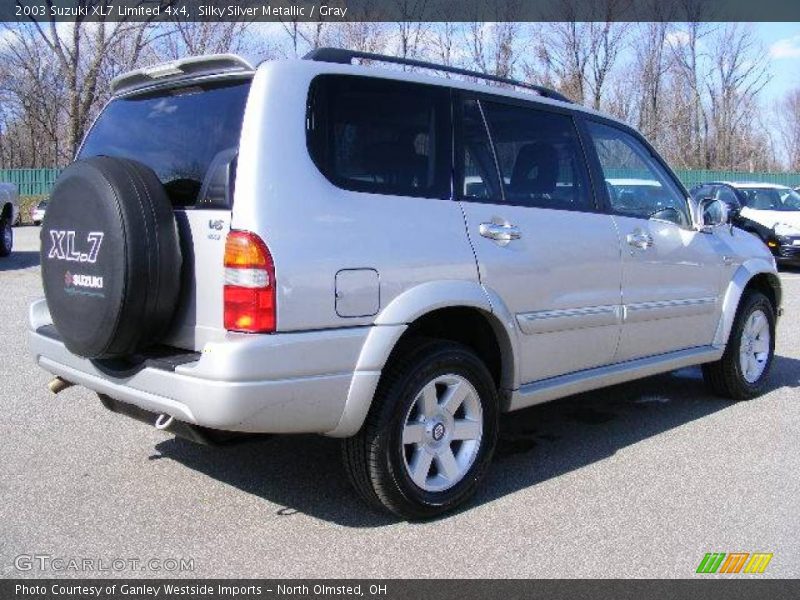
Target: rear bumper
280, 383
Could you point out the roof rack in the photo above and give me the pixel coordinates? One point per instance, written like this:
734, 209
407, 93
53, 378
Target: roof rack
345, 57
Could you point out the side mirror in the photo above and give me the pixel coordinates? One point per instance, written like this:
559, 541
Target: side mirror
714, 213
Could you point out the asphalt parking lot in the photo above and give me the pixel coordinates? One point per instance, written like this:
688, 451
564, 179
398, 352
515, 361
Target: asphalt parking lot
638, 480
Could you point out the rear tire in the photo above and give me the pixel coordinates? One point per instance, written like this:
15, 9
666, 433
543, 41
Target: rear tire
6, 237
111, 258
430, 434
742, 371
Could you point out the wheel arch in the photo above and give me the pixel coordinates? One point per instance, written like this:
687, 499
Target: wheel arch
752, 275
454, 310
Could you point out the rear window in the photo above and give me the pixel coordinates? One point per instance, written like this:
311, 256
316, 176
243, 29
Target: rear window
380, 136
176, 132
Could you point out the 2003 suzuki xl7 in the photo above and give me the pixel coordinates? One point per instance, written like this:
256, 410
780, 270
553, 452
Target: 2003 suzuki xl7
382, 256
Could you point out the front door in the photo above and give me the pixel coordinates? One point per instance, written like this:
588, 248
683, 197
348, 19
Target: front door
540, 242
671, 273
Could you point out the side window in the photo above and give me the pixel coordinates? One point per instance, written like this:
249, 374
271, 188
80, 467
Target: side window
479, 170
539, 156
638, 186
374, 135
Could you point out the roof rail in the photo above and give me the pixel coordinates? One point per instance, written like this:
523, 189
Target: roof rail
345, 57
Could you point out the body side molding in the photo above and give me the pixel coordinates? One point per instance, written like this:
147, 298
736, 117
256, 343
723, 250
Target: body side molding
582, 381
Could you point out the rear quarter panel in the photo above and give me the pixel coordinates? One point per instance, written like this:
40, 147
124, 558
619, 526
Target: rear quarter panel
314, 229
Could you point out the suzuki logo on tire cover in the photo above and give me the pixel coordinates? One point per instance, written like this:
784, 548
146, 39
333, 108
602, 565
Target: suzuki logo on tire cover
63, 246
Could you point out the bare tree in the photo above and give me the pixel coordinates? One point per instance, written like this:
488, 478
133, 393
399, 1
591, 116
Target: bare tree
304, 36
688, 58
80, 49
739, 73
33, 96
411, 29
651, 66
492, 48
788, 128
212, 37
578, 58
444, 46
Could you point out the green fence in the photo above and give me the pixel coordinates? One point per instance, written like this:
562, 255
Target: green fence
31, 182
38, 182
691, 178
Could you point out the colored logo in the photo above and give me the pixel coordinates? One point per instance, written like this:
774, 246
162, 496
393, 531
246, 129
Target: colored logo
83, 285
735, 562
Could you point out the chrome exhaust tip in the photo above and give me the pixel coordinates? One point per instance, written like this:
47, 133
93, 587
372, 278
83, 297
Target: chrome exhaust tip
163, 421
58, 385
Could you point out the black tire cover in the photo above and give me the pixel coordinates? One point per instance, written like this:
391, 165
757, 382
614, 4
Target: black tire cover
110, 257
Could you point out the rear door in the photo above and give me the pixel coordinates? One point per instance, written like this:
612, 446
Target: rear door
186, 134
540, 242
671, 273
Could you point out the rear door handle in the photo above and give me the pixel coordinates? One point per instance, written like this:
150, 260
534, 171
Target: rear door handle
500, 233
641, 240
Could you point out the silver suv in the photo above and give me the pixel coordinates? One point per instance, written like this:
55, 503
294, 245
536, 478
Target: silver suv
382, 256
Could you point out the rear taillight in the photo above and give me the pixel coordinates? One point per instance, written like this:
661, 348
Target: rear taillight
249, 284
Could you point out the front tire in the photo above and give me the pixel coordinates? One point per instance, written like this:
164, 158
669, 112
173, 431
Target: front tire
6, 237
742, 371
430, 434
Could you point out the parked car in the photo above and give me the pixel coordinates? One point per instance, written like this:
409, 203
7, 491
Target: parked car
9, 215
38, 211
294, 247
767, 210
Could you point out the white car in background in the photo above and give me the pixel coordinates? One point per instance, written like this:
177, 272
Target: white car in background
767, 210
38, 211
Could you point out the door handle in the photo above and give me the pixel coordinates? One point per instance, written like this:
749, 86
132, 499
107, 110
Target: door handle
500, 233
641, 240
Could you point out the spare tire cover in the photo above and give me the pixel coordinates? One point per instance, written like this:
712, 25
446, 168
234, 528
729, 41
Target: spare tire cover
110, 257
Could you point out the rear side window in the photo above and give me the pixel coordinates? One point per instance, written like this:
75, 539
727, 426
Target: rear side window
540, 158
380, 136
176, 132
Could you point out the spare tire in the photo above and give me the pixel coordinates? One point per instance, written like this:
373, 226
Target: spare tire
110, 257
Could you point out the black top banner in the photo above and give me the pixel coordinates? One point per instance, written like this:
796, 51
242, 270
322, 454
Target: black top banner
399, 10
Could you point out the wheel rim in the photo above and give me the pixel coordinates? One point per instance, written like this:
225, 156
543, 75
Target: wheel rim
442, 433
755, 346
